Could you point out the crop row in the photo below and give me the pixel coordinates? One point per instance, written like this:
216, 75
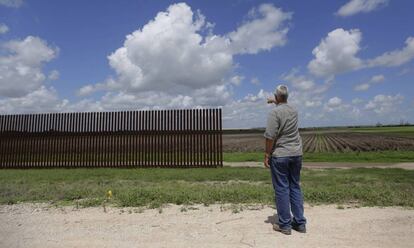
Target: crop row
324, 142
344, 142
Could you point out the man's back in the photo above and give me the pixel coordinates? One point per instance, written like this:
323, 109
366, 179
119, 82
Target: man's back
282, 125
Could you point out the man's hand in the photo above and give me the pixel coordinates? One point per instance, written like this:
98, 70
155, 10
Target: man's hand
271, 100
267, 160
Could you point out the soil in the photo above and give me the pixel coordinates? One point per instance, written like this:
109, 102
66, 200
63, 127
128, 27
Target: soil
41, 225
323, 142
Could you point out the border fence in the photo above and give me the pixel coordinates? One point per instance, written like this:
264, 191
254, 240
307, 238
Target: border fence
152, 138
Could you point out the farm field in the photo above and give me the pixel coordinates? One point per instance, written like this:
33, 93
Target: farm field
390, 144
398, 130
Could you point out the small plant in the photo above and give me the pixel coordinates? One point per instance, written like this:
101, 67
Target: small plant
107, 199
109, 194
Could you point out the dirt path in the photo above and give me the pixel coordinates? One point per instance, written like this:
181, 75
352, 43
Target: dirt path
339, 165
29, 225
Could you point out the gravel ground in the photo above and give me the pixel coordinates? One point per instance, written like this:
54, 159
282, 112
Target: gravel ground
41, 225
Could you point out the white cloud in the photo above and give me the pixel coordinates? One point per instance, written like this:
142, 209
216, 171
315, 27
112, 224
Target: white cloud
334, 102
206, 97
336, 53
357, 101
236, 80
264, 30
170, 54
53, 75
21, 65
396, 57
40, 100
255, 81
22, 79
171, 57
336, 108
362, 87
254, 98
374, 80
250, 111
360, 6
3, 28
305, 84
383, 104
312, 104
336, 111
86, 90
305, 94
299, 82
377, 78
11, 3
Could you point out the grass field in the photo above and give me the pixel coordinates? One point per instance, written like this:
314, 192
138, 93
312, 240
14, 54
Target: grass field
357, 157
155, 187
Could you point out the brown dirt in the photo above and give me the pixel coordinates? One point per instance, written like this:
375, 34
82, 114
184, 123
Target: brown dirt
38, 225
323, 142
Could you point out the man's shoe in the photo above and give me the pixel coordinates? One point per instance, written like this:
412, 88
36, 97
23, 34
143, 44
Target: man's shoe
284, 231
299, 228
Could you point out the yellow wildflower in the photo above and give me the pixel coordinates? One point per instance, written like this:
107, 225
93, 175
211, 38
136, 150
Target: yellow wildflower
109, 194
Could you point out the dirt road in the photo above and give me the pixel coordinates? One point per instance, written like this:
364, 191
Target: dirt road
28, 225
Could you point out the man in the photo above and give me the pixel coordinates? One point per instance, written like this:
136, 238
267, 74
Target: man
284, 158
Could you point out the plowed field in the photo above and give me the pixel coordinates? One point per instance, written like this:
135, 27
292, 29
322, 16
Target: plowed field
324, 142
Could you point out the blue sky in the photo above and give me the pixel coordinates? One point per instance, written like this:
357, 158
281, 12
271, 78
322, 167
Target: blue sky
345, 62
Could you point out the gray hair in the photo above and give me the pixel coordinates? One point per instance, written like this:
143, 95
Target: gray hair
282, 92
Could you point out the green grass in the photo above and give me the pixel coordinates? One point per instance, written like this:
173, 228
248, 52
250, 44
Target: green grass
356, 157
243, 156
155, 187
361, 157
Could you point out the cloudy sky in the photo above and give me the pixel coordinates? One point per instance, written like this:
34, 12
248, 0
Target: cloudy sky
346, 62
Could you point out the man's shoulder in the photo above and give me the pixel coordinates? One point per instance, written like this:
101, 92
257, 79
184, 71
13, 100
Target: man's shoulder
293, 107
274, 111
283, 108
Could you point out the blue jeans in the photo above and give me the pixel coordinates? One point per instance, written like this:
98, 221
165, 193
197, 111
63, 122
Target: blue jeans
288, 195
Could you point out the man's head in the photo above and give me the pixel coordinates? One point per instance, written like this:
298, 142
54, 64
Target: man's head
281, 93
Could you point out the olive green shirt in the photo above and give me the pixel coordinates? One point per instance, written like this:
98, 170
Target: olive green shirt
282, 126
